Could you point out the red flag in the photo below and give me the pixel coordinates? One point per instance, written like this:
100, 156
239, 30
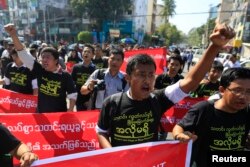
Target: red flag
69, 66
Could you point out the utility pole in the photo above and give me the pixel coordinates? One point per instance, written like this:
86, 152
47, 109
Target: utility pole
44, 21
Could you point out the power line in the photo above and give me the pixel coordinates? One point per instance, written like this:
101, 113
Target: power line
192, 13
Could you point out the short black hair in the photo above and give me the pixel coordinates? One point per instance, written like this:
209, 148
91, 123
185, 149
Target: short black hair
232, 74
144, 59
90, 46
116, 51
176, 51
217, 66
176, 57
51, 50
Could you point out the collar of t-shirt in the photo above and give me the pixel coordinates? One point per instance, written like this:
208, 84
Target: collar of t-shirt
15, 65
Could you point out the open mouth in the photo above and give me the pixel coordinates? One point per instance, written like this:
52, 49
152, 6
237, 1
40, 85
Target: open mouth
145, 88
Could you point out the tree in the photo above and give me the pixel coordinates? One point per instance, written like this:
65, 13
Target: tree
100, 10
170, 33
168, 9
194, 37
196, 34
85, 36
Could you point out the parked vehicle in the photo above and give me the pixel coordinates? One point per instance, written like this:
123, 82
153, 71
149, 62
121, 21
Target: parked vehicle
245, 64
223, 57
72, 46
197, 55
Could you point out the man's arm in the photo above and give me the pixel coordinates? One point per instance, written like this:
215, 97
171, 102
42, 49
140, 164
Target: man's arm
103, 139
220, 36
89, 84
24, 154
25, 57
72, 103
184, 136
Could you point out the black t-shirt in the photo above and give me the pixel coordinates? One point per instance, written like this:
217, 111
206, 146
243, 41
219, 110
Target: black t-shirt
216, 130
74, 60
133, 121
8, 142
53, 88
164, 80
80, 74
100, 63
20, 79
206, 90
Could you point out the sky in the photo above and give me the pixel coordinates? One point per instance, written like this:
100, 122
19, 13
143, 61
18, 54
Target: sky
185, 22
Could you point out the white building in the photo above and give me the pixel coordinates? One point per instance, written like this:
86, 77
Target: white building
144, 17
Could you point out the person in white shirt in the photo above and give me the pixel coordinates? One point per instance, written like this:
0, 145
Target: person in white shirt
232, 62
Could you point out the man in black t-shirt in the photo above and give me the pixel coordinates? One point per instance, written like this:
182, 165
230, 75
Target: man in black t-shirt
134, 116
9, 144
210, 84
54, 84
99, 60
222, 125
18, 77
172, 75
80, 74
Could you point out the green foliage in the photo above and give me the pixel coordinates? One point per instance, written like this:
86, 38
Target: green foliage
195, 35
170, 33
101, 10
85, 36
168, 9
147, 38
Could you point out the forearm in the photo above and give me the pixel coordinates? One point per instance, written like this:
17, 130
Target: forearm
177, 130
2, 82
72, 103
103, 140
35, 92
197, 73
20, 150
17, 43
26, 58
85, 90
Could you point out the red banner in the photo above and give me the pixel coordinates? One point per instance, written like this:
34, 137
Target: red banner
176, 113
69, 66
55, 134
155, 154
159, 55
13, 102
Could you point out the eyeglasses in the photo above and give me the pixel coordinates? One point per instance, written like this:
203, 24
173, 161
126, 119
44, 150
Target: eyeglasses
239, 92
